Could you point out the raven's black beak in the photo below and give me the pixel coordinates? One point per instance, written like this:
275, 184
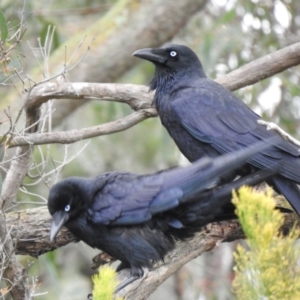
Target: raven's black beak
153, 55
58, 221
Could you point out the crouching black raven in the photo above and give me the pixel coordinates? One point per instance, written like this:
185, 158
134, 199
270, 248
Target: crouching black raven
138, 218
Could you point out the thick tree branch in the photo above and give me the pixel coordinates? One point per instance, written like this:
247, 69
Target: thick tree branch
137, 97
13, 272
14, 177
264, 67
31, 229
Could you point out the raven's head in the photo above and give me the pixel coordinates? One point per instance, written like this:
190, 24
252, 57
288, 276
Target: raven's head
171, 61
67, 199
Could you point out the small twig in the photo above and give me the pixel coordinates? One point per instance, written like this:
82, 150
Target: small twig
280, 131
81, 58
77, 47
68, 137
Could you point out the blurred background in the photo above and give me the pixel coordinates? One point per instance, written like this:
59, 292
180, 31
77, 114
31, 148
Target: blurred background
225, 34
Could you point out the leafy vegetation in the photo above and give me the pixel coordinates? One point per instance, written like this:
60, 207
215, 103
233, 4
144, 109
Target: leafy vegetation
105, 284
269, 268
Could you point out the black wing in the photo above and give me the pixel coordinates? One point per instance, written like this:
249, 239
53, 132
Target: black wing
213, 115
129, 199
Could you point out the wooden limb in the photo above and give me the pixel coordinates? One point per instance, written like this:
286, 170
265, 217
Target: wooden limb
136, 97
11, 270
15, 175
71, 136
31, 229
262, 68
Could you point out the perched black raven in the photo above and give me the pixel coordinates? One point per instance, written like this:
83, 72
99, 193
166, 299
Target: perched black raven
204, 118
137, 218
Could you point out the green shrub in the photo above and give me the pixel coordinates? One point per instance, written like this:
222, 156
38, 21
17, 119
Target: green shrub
269, 268
105, 284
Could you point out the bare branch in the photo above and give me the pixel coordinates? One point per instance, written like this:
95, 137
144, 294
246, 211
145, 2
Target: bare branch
31, 228
36, 241
285, 135
66, 137
262, 68
17, 171
136, 97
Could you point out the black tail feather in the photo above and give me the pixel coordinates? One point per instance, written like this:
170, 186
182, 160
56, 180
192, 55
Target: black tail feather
289, 190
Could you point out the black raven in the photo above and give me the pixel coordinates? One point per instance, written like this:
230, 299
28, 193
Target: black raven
204, 118
138, 218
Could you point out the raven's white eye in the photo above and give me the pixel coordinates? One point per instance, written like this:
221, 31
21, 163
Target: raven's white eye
67, 208
173, 53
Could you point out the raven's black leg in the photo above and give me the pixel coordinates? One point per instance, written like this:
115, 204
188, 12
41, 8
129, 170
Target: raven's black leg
136, 273
125, 282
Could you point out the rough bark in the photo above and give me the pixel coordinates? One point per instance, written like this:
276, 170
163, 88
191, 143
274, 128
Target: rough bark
137, 97
13, 272
282, 59
31, 229
14, 178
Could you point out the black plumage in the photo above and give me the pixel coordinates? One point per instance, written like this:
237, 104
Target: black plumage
138, 218
204, 118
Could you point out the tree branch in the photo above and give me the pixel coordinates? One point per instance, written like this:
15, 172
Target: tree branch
136, 97
67, 137
31, 229
262, 68
15, 175
275, 127
13, 271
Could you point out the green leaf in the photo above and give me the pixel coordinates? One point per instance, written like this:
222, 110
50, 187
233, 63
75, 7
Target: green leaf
3, 27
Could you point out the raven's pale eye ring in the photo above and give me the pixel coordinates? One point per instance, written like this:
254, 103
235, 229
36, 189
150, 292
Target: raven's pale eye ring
173, 53
67, 208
